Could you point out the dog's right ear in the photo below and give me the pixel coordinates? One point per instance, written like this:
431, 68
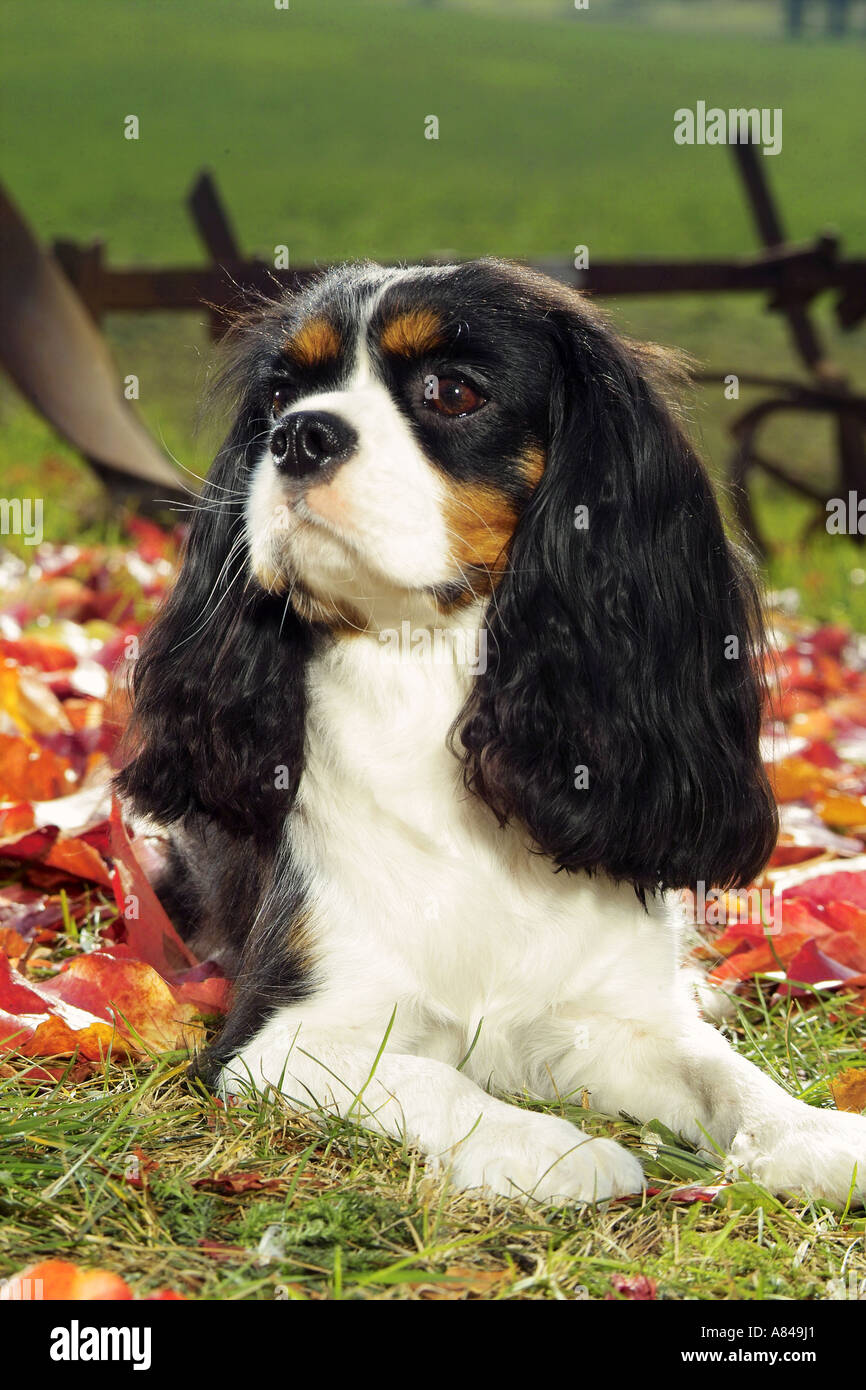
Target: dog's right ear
218, 718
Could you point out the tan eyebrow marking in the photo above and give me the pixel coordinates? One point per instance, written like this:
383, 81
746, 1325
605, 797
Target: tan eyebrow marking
412, 333
315, 343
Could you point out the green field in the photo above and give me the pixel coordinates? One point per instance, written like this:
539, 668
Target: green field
552, 132
555, 130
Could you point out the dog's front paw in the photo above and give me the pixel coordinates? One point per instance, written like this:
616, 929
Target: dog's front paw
814, 1152
541, 1156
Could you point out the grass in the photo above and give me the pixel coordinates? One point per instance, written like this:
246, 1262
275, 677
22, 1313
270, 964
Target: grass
257, 1202
552, 132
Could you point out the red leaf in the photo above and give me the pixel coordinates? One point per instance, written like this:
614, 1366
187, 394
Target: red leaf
846, 916
205, 986
834, 885
27, 911
812, 966
16, 996
637, 1287
88, 1006
821, 753
149, 934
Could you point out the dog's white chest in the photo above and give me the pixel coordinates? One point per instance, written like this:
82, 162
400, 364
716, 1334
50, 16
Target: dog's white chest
418, 894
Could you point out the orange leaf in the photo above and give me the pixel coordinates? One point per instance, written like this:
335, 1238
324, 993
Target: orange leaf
744, 964
848, 1089
32, 651
128, 991
30, 703
52, 1036
842, 810
12, 943
808, 717
79, 1008
14, 820
460, 1282
29, 772
80, 860
60, 1280
795, 779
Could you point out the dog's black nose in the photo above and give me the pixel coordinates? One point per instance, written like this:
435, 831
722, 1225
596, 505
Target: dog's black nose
311, 440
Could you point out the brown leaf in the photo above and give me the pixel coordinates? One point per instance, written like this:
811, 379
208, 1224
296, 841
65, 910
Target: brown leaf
463, 1282
232, 1183
848, 1089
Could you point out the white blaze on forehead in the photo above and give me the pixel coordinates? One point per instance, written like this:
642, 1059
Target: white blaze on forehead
386, 501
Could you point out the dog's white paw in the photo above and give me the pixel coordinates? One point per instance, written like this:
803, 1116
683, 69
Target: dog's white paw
543, 1157
814, 1152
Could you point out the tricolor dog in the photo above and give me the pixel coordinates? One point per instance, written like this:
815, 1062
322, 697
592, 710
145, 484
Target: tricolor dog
441, 880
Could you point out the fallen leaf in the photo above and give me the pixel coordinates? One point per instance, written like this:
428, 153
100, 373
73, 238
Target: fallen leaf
637, 1287
29, 772
147, 928
810, 966
463, 1282
230, 1184
848, 1089
61, 1281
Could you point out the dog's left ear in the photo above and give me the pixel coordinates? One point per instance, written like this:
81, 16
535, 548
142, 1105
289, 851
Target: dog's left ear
619, 716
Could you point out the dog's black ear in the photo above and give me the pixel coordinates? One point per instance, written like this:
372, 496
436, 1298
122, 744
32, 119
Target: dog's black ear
618, 718
218, 717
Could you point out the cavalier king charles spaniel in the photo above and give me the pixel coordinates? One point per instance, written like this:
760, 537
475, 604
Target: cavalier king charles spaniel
458, 686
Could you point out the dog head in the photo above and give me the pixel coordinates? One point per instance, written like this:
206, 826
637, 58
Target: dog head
420, 440
405, 417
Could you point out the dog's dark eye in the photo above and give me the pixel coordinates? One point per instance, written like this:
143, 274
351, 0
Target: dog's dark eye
451, 396
280, 399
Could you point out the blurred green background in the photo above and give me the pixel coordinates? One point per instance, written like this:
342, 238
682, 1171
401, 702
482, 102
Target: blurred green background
556, 129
